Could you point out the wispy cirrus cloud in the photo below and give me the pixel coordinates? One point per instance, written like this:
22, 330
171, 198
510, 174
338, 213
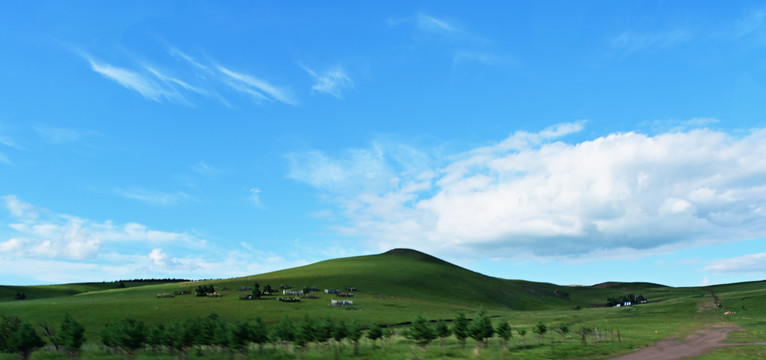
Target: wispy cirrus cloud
152, 197
205, 169
332, 82
137, 81
260, 90
532, 194
433, 24
629, 42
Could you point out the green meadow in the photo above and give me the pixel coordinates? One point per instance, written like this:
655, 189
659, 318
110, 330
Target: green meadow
393, 289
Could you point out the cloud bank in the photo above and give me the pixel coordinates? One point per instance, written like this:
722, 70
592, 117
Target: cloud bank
531, 195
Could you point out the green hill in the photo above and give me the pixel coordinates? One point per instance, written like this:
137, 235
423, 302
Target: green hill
393, 287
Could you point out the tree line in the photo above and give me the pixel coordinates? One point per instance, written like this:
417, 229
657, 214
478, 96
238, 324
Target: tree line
211, 334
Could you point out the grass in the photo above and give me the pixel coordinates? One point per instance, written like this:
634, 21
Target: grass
398, 286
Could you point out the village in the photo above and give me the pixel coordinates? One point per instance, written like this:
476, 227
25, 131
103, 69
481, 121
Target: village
289, 294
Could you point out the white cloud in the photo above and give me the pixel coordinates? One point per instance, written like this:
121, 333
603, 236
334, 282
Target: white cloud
151, 197
255, 197
205, 169
180, 55
136, 81
630, 42
751, 24
258, 89
58, 236
435, 25
331, 82
20, 209
748, 264
530, 194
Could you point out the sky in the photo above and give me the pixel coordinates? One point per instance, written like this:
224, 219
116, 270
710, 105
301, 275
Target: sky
556, 141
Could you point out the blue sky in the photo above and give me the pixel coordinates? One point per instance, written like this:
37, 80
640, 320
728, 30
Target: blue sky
572, 143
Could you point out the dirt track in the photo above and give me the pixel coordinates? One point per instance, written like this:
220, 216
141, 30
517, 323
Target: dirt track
696, 344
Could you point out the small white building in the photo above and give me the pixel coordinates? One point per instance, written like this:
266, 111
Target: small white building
341, 302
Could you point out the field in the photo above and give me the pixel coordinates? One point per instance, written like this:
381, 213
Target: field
398, 286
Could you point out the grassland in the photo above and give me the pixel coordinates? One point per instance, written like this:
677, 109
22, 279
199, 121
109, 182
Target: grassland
398, 286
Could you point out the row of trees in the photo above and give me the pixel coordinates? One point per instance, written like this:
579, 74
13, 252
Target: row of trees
17, 336
212, 334
480, 330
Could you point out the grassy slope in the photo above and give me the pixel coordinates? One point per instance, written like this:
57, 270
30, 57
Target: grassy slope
399, 285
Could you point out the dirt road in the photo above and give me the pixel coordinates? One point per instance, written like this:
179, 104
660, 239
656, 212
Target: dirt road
696, 344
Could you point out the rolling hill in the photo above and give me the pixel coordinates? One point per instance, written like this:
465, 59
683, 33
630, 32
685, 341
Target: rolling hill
393, 287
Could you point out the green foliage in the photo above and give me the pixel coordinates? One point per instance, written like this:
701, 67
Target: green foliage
442, 331
421, 332
540, 329
305, 333
202, 290
354, 334
240, 335
460, 328
374, 333
523, 334
339, 331
9, 324
71, 335
284, 331
128, 335
323, 330
482, 329
24, 341
504, 330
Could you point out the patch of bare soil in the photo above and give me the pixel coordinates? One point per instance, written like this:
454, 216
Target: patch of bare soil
699, 343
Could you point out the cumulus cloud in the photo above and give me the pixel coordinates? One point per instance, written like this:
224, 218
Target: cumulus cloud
18, 208
533, 195
39, 234
748, 264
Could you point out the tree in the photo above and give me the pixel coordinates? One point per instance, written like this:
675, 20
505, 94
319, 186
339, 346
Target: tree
50, 333
128, 334
339, 332
240, 336
482, 329
9, 324
305, 333
374, 333
258, 333
24, 341
354, 334
421, 332
523, 334
256, 291
460, 328
540, 329
442, 331
505, 332
284, 332
323, 330
71, 336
